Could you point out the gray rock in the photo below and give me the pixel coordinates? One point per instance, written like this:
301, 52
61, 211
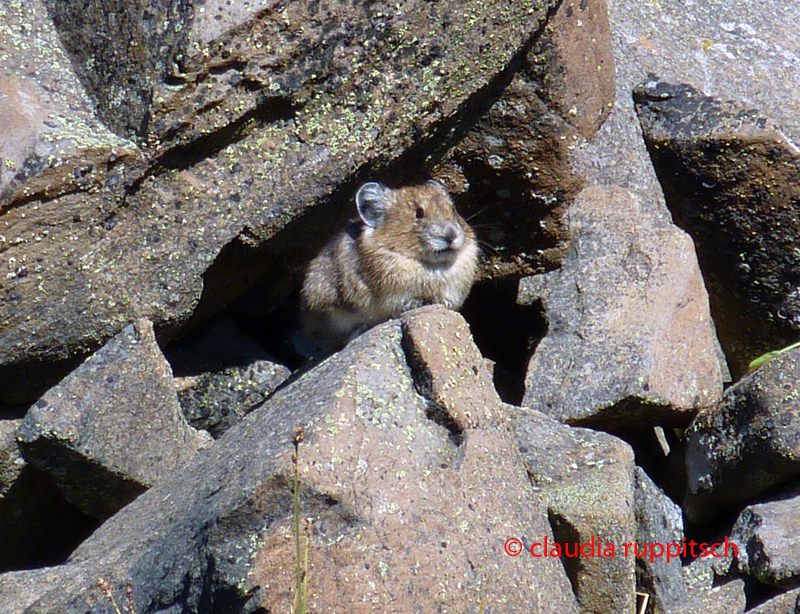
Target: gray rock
730, 176
11, 461
659, 520
767, 536
113, 427
786, 603
744, 50
513, 168
120, 55
20, 589
395, 512
586, 479
747, 444
630, 342
215, 401
52, 143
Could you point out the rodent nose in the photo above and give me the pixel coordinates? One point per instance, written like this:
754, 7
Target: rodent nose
454, 235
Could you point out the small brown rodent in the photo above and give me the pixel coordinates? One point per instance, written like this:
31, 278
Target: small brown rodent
409, 248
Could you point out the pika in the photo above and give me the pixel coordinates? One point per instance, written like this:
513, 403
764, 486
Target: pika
409, 247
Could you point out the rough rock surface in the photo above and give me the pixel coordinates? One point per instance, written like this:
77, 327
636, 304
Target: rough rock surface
589, 491
269, 118
630, 340
744, 50
767, 536
394, 511
215, 401
786, 603
658, 520
121, 55
513, 166
113, 427
747, 444
732, 178
708, 595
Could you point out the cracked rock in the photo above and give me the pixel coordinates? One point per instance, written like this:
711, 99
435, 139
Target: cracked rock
113, 427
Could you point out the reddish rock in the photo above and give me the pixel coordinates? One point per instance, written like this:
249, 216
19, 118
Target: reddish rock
395, 512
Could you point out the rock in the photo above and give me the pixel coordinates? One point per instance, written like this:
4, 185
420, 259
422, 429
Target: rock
52, 144
221, 375
748, 444
586, 480
766, 537
630, 342
707, 596
730, 175
573, 65
121, 55
658, 521
113, 427
11, 461
734, 50
394, 512
20, 589
215, 401
280, 113
449, 372
786, 603
513, 167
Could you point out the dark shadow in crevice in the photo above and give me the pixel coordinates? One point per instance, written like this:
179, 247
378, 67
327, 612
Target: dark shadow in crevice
506, 333
47, 528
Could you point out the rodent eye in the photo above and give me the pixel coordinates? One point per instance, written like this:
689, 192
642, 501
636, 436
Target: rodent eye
420, 213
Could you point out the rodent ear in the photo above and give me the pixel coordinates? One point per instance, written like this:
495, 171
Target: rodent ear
439, 185
372, 200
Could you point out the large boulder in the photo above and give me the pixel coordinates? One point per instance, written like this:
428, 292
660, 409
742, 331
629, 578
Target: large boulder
399, 506
749, 443
630, 341
732, 180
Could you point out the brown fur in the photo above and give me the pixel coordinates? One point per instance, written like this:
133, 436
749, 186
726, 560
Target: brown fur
409, 248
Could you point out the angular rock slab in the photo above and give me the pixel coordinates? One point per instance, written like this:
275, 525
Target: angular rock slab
747, 444
51, 144
630, 341
517, 158
113, 427
658, 520
398, 514
587, 481
731, 50
767, 537
731, 178
707, 595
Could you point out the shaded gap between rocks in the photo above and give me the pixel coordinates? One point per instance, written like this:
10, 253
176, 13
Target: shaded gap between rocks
506, 333
564, 533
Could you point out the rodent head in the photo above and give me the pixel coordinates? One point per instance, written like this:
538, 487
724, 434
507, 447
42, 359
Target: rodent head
418, 221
